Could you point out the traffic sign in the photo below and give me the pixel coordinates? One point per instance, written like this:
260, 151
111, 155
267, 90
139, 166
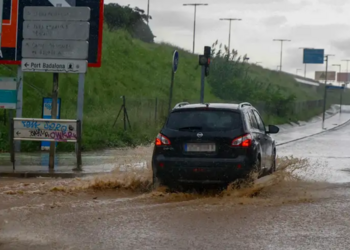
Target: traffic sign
313, 56
13, 18
175, 60
334, 87
61, 30
54, 65
56, 14
59, 49
8, 93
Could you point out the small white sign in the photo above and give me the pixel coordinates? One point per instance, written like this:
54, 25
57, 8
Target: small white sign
54, 65
45, 129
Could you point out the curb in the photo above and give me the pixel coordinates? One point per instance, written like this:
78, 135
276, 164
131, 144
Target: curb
45, 175
309, 136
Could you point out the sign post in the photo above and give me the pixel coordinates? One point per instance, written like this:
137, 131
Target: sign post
325, 90
29, 20
51, 130
55, 41
174, 66
312, 56
46, 114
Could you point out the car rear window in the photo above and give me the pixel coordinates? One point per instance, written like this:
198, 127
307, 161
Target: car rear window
204, 120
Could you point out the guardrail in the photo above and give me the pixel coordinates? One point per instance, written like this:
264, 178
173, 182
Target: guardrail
52, 130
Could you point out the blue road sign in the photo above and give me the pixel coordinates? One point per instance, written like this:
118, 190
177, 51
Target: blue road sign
335, 87
175, 60
46, 114
313, 56
8, 93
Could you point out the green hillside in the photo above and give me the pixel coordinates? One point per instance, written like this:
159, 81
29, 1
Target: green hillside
141, 71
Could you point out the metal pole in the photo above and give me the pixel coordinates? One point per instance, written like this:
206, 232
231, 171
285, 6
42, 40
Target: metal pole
281, 56
194, 21
19, 106
202, 84
124, 113
341, 99
171, 89
325, 93
53, 116
229, 39
148, 12
194, 28
80, 104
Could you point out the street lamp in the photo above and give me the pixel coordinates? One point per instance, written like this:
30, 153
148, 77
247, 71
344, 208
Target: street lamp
194, 23
337, 65
229, 31
347, 64
281, 40
148, 12
325, 90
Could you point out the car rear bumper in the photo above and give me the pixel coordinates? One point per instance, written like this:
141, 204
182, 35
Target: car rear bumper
201, 170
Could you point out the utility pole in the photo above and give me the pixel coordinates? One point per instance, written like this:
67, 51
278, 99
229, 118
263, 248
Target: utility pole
347, 64
281, 40
229, 32
325, 91
347, 69
194, 22
148, 12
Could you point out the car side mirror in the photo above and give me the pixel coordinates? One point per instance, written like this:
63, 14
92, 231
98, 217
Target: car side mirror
272, 129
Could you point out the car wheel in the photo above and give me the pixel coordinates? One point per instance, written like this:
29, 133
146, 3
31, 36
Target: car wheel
273, 167
258, 167
156, 181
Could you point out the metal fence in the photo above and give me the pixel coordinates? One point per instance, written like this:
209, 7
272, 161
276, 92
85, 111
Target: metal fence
150, 112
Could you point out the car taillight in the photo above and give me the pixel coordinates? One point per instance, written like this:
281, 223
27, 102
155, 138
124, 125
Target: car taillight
242, 141
162, 140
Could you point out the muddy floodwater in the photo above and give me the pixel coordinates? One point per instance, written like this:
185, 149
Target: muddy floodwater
304, 205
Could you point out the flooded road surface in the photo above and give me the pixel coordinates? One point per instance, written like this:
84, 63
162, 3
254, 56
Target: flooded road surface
304, 205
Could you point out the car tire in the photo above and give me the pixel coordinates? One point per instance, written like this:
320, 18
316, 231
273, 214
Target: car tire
273, 166
258, 167
156, 181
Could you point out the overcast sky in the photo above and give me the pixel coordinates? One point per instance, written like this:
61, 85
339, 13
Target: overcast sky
308, 23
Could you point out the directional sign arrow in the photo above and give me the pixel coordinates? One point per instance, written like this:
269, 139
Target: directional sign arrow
26, 64
18, 133
59, 3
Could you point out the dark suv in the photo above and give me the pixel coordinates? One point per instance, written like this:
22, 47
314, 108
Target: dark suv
212, 143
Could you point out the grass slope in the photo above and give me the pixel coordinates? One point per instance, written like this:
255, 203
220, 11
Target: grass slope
138, 70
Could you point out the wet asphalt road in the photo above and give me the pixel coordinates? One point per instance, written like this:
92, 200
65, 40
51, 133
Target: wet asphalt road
312, 213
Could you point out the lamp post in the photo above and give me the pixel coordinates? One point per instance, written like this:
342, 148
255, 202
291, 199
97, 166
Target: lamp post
194, 22
281, 40
148, 12
325, 90
229, 32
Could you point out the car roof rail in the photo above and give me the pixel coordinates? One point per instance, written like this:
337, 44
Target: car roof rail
243, 104
180, 104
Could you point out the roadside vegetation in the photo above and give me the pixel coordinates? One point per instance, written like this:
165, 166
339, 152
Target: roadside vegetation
139, 69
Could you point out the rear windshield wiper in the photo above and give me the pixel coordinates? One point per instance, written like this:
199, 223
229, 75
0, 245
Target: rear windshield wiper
190, 128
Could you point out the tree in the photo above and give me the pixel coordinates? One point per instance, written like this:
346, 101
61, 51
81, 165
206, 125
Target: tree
131, 19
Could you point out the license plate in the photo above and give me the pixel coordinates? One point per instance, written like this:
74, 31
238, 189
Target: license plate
200, 147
